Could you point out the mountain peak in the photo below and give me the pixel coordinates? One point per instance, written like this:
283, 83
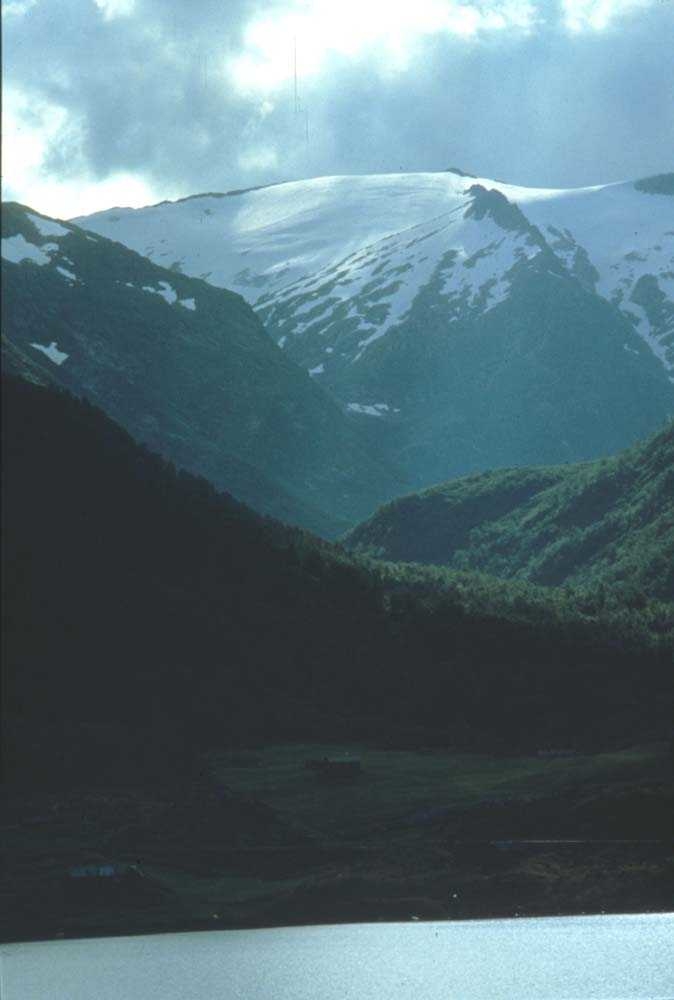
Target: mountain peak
658, 184
490, 201
459, 172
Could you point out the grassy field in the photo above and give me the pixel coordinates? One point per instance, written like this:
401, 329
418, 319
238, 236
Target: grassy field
259, 839
394, 785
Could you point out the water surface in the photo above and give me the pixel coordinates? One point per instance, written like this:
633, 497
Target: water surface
558, 958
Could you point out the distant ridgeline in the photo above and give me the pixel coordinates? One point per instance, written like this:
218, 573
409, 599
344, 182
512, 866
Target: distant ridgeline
187, 368
147, 618
417, 327
608, 523
463, 322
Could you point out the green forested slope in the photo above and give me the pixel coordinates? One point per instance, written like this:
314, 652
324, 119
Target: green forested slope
147, 617
608, 522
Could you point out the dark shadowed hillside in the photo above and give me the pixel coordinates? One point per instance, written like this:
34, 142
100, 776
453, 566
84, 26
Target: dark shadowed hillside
148, 617
187, 368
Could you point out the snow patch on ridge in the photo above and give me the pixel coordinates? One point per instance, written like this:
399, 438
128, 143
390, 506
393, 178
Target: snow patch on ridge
17, 249
621, 233
639, 318
370, 409
374, 290
166, 291
68, 275
52, 352
47, 227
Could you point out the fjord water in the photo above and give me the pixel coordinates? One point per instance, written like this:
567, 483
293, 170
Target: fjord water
627, 957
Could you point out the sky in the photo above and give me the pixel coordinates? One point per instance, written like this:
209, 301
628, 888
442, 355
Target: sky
129, 102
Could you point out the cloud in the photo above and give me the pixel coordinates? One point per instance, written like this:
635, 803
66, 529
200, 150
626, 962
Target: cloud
170, 98
596, 15
16, 8
115, 8
37, 133
388, 31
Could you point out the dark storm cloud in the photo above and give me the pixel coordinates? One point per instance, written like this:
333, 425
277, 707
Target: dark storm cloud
548, 109
145, 94
137, 85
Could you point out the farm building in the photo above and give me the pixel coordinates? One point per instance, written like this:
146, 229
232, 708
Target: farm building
328, 769
102, 869
109, 882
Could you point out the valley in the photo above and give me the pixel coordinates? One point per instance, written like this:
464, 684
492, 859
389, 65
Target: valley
425, 833
374, 469
188, 369
337, 500
159, 715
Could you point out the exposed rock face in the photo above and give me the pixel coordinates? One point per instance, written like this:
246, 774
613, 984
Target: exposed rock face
466, 323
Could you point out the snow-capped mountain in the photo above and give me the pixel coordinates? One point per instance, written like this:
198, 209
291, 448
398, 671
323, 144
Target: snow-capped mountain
187, 368
470, 323
362, 248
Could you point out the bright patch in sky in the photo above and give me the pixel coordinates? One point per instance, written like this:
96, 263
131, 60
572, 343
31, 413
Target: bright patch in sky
29, 127
115, 8
13, 8
595, 15
258, 159
389, 28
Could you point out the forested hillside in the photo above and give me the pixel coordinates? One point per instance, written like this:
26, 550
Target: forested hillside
604, 525
148, 617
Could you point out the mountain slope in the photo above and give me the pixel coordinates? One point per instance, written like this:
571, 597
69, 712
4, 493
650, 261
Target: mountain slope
187, 368
271, 242
441, 309
540, 375
606, 522
147, 618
